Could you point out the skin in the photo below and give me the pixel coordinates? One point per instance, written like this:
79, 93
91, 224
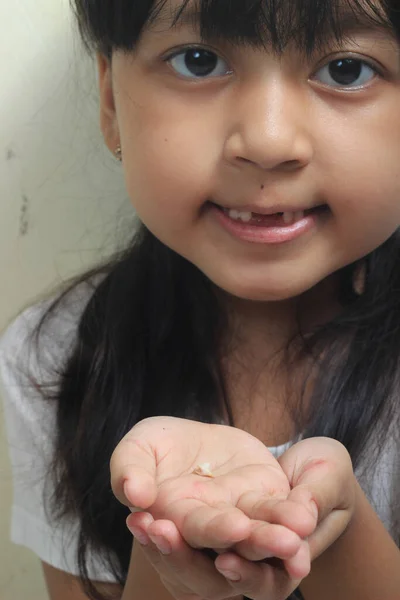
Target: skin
270, 123
271, 131
254, 507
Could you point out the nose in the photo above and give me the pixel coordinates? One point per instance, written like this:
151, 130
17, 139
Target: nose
270, 128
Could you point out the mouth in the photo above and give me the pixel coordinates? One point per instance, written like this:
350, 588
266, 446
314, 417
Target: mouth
269, 227
276, 219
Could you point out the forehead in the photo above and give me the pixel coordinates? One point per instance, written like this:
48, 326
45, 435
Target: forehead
307, 23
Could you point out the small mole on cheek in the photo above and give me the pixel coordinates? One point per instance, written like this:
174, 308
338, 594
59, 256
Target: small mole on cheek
262, 187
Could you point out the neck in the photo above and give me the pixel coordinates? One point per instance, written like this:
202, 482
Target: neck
260, 377
251, 321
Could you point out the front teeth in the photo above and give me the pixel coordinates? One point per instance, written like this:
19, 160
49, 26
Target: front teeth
240, 216
292, 217
288, 217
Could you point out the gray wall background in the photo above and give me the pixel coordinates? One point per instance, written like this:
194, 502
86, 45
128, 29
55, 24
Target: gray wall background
62, 196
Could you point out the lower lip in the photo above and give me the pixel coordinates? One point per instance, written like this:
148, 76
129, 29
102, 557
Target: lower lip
257, 234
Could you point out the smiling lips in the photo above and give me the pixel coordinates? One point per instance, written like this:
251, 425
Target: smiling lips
272, 226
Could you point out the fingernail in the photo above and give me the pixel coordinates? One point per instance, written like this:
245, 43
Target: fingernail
231, 575
162, 544
139, 535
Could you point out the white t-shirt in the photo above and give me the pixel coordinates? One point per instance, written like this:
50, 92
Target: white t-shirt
30, 426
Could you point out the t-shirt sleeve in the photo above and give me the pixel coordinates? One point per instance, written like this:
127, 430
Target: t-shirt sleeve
30, 428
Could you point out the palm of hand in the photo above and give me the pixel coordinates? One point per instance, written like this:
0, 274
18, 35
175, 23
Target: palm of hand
254, 505
233, 509
172, 449
213, 511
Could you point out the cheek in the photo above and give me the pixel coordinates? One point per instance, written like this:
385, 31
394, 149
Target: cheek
367, 212
363, 188
169, 162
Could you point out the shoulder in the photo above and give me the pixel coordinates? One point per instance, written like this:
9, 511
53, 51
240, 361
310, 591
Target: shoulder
33, 351
30, 428
40, 338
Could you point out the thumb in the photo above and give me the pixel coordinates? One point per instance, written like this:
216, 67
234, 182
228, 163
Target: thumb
321, 476
133, 469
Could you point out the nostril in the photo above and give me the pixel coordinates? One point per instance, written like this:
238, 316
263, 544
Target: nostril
291, 164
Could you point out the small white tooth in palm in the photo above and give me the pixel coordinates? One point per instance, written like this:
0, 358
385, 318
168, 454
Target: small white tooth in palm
204, 470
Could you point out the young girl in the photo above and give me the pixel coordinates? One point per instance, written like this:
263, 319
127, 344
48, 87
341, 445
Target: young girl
260, 146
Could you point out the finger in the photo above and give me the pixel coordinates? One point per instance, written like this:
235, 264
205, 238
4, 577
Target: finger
258, 581
187, 570
301, 519
321, 467
320, 480
209, 526
266, 541
138, 524
298, 567
329, 528
133, 472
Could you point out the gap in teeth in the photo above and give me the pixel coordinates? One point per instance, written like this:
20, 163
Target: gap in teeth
288, 217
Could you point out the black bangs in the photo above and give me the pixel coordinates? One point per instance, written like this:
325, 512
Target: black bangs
308, 24
117, 24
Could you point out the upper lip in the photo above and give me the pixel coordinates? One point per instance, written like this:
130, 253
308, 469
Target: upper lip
270, 210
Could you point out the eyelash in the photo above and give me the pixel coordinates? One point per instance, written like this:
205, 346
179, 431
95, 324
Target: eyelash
185, 49
364, 62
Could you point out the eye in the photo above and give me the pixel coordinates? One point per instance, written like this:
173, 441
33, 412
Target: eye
198, 63
346, 73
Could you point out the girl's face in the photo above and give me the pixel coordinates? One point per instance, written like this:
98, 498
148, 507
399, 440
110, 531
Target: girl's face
311, 144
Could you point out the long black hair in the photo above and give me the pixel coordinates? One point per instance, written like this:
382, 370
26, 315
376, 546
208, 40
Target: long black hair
148, 341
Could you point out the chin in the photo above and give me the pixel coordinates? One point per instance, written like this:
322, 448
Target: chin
263, 294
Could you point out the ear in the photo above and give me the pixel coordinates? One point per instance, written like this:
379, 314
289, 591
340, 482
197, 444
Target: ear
108, 115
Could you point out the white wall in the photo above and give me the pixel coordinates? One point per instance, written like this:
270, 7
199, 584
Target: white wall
61, 193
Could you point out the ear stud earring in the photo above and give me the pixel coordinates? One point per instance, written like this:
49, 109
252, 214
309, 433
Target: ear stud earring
118, 153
